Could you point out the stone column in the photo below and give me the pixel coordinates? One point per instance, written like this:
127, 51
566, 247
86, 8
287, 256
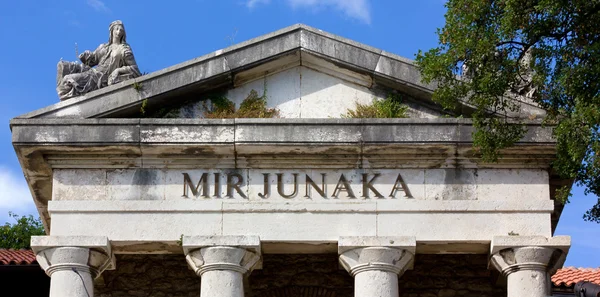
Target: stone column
376, 263
222, 262
72, 262
527, 262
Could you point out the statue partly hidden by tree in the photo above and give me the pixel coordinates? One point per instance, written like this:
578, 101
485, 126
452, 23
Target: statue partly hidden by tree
110, 63
494, 55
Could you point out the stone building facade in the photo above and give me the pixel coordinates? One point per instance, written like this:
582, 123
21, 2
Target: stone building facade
142, 196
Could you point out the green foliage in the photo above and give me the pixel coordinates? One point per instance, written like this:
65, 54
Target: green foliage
390, 107
491, 51
18, 235
143, 107
253, 106
138, 87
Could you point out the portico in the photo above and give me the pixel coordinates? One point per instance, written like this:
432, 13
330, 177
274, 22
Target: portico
218, 204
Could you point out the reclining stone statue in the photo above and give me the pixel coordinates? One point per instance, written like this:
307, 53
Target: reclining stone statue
109, 64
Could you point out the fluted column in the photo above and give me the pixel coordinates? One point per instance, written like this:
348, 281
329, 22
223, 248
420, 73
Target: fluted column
527, 262
376, 263
72, 262
222, 262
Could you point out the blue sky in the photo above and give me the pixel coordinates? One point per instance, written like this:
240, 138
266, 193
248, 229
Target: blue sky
35, 35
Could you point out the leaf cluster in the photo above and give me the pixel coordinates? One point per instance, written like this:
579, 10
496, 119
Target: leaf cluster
494, 54
253, 106
390, 107
18, 235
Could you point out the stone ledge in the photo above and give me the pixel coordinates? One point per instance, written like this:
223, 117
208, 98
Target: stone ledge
504, 242
251, 243
255, 131
98, 243
406, 206
346, 243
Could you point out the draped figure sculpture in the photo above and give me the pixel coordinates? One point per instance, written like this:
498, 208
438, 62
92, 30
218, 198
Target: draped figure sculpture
110, 63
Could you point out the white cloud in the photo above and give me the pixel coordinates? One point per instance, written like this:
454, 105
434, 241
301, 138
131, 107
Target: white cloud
358, 9
98, 5
14, 194
253, 3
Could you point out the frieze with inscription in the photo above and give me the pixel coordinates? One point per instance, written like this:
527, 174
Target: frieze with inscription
303, 185
298, 185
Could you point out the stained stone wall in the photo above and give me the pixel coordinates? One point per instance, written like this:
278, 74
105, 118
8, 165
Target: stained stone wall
299, 276
286, 275
450, 276
149, 276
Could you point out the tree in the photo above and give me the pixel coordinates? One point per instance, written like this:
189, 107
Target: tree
18, 235
494, 53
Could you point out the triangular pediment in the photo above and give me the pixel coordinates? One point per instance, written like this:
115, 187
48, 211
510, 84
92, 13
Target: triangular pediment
299, 57
308, 74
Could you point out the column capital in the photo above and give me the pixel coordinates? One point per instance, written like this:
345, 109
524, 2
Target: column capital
209, 253
73, 253
510, 254
389, 254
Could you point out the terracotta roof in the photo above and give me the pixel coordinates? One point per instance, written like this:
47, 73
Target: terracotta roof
569, 276
17, 257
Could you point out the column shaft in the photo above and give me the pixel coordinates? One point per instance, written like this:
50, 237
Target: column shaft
531, 283
72, 262
376, 284
222, 283
376, 263
221, 262
71, 283
528, 261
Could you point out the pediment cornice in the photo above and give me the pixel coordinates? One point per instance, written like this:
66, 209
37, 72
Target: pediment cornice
220, 68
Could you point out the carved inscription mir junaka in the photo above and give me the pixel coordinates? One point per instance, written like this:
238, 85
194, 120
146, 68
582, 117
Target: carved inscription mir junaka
295, 185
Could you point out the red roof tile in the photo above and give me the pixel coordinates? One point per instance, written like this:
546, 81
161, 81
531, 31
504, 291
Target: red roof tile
569, 276
16, 257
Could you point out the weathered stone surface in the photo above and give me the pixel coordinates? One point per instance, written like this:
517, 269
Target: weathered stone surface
347, 243
134, 223
528, 261
186, 131
359, 56
219, 69
72, 262
222, 262
499, 243
398, 68
91, 131
294, 131
109, 64
255, 52
452, 184
149, 275
376, 262
300, 185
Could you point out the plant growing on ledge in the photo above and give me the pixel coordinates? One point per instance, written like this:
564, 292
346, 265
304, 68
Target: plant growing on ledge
390, 107
253, 106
